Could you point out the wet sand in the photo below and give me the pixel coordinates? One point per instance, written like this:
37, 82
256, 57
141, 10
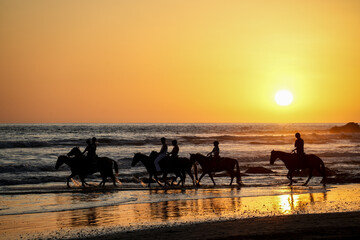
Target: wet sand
311, 226
216, 213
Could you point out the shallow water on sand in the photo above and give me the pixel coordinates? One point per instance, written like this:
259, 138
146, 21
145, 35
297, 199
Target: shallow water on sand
75, 214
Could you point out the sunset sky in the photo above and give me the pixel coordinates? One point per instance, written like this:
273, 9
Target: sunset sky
179, 61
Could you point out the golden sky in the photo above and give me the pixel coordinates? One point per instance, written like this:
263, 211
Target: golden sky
179, 61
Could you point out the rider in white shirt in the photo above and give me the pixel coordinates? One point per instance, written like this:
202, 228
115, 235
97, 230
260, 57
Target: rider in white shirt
161, 155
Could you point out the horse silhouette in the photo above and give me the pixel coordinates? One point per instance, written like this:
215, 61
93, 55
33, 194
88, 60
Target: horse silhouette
80, 166
208, 166
292, 163
179, 167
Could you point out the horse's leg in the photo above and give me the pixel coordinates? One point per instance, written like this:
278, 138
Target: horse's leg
113, 179
165, 179
289, 176
157, 180
183, 177
202, 175
191, 175
150, 178
232, 177
212, 179
180, 175
310, 176
82, 178
174, 180
321, 169
68, 180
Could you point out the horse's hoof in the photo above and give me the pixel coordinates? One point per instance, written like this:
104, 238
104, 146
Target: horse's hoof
304, 184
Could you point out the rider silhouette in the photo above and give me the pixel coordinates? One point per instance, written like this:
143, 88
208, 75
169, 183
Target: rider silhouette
91, 150
299, 148
215, 153
161, 155
175, 151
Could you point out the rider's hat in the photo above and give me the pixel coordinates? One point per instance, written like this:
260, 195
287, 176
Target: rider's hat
216, 143
297, 135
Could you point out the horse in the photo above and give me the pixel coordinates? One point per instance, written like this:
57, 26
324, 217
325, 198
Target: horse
80, 166
167, 165
230, 165
292, 163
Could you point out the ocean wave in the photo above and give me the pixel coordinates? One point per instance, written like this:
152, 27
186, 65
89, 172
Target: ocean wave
253, 139
26, 168
31, 180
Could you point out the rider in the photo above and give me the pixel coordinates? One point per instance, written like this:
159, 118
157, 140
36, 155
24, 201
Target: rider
215, 153
299, 148
161, 155
91, 150
175, 151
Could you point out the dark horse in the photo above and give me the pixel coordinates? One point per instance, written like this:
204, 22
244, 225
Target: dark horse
81, 167
208, 166
168, 165
292, 163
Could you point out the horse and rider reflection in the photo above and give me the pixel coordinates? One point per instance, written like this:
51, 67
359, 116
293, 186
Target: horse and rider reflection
194, 209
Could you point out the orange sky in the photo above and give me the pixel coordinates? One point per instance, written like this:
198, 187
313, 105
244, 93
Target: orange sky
179, 61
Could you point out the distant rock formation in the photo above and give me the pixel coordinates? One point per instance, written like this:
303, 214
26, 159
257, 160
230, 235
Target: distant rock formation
349, 128
258, 170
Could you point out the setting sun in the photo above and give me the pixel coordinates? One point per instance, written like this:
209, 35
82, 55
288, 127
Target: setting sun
284, 97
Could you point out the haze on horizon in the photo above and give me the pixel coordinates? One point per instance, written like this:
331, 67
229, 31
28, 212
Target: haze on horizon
179, 61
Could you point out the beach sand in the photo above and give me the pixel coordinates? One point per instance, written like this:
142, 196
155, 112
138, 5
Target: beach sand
209, 213
306, 226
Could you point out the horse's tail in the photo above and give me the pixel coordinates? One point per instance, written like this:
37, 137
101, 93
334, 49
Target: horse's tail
323, 171
195, 171
238, 175
116, 168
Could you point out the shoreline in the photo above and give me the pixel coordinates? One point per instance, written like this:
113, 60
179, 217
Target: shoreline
176, 211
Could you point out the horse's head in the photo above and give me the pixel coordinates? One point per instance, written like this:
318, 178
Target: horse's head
137, 158
60, 161
75, 152
273, 157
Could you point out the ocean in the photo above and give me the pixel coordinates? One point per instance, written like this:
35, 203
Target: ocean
28, 153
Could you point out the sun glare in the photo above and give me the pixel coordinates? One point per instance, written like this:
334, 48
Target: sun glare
283, 97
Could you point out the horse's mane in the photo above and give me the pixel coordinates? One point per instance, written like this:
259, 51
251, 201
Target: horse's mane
199, 154
139, 154
281, 152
